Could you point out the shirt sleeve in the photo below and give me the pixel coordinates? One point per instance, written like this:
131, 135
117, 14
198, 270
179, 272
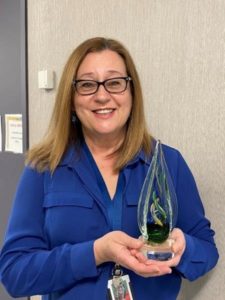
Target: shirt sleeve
27, 265
201, 254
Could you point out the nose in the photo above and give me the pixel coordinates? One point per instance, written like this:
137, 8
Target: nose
102, 95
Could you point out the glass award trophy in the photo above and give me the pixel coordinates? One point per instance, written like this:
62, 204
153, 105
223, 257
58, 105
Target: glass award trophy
157, 209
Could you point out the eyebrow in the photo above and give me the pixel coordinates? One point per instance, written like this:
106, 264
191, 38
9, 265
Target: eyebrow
108, 72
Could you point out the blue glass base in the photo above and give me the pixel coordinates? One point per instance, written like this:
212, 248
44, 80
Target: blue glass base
161, 252
162, 256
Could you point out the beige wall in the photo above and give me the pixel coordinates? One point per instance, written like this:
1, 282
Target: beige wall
179, 49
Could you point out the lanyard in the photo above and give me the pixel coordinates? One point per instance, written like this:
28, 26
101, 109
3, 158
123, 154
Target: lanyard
114, 206
114, 209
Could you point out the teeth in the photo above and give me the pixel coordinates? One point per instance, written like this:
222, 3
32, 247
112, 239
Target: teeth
103, 111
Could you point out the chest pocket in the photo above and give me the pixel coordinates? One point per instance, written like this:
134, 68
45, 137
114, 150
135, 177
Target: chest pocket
132, 199
54, 199
70, 218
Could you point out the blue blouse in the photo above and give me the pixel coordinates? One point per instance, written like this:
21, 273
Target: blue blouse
56, 218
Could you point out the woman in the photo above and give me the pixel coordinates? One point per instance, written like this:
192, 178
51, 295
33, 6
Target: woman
75, 210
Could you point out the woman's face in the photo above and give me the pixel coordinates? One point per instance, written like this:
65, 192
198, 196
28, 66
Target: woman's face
103, 114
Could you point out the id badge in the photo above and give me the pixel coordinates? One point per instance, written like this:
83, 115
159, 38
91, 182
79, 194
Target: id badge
119, 286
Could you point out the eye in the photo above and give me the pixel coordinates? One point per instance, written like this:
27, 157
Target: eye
114, 83
86, 85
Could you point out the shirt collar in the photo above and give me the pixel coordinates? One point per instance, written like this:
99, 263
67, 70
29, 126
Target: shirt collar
140, 156
70, 157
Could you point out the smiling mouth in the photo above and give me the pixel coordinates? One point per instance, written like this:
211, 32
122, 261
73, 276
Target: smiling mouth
103, 111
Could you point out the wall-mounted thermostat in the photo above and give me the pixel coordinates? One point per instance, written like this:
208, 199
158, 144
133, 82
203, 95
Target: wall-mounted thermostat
46, 79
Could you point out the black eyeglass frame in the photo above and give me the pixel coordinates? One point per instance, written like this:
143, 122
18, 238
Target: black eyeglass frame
126, 78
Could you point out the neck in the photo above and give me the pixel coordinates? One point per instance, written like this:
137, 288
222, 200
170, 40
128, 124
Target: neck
103, 146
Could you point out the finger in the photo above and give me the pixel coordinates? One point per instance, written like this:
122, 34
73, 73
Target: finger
132, 243
173, 262
144, 269
177, 235
141, 257
133, 262
164, 265
133, 252
154, 271
179, 241
178, 247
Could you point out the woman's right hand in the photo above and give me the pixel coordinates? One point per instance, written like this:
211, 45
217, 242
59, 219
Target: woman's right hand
118, 247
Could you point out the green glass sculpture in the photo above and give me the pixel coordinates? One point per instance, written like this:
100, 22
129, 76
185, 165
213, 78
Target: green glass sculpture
157, 208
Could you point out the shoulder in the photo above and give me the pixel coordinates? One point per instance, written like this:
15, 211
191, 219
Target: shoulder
177, 165
173, 155
31, 172
170, 153
175, 161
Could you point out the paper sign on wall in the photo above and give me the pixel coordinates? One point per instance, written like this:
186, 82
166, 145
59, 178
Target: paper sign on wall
14, 133
0, 133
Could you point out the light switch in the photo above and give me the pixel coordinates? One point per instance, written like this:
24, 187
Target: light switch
46, 79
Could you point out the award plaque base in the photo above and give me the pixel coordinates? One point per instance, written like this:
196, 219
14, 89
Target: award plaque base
161, 252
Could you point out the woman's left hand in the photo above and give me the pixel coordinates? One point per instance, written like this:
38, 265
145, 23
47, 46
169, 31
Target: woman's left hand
178, 249
178, 246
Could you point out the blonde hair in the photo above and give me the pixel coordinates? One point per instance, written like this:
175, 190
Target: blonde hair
61, 132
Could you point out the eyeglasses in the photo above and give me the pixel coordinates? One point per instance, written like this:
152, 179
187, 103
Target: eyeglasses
113, 85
